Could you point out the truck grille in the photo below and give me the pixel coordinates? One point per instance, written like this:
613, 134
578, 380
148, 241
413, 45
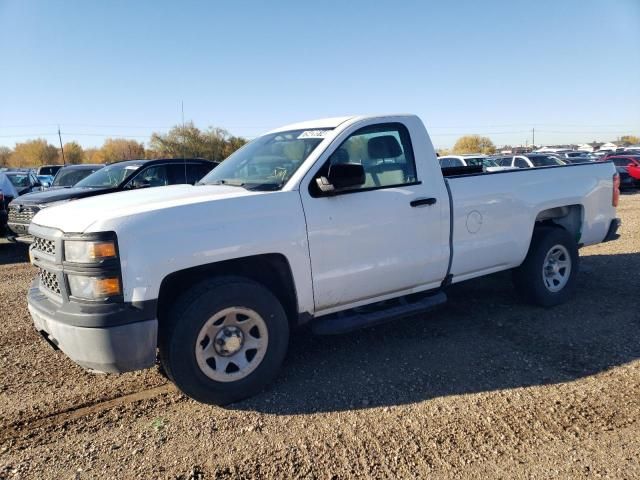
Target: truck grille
49, 280
44, 246
24, 215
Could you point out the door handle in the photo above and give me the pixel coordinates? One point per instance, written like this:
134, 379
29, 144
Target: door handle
422, 201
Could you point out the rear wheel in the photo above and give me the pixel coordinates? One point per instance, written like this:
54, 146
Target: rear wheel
224, 340
547, 275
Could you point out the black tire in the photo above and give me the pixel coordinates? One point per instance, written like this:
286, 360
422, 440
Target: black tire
189, 314
528, 277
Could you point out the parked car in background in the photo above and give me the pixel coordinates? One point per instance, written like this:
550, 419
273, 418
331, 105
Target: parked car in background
474, 160
69, 175
7, 193
48, 170
577, 157
45, 180
531, 160
3, 215
116, 177
628, 166
25, 181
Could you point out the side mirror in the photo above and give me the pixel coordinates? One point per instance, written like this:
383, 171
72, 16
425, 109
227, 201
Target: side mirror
342, 176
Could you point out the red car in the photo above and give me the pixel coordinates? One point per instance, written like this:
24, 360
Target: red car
628, 168
631, 162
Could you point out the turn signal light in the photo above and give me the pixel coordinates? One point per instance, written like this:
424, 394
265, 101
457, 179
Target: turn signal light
94, 288
103, 250
107, 287
89, 251
616, 190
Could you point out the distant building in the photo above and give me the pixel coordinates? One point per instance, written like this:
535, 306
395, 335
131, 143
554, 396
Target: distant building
556, 148
609, 146
589, 147
515, 150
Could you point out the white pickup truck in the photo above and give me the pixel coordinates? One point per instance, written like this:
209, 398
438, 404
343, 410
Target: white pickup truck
338, 223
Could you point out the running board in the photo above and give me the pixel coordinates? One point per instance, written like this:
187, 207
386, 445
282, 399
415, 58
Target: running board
355, 319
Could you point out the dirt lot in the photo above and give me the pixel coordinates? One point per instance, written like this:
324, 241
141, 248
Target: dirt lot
487, 387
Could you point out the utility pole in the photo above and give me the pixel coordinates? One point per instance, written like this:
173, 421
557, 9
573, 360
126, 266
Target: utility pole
61, 149
184, 141
533, 136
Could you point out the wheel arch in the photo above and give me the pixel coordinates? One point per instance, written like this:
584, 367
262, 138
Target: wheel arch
271, 270
568, 217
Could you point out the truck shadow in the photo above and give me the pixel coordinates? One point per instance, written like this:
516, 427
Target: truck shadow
484, 340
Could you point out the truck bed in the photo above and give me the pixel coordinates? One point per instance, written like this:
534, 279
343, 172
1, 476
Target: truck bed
493, 214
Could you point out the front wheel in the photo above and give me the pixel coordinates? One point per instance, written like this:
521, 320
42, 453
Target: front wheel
547, 275
224, 340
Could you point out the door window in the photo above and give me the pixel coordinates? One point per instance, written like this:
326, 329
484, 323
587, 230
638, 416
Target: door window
451, 162
383, 150
521, 163
155, 176
196, 171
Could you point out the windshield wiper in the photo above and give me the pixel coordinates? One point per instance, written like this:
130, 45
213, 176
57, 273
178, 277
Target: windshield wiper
229, 182
265, 187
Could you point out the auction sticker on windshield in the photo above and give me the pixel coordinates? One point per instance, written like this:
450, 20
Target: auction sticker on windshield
314, 134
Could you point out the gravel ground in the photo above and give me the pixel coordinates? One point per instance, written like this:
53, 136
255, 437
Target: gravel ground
486, 387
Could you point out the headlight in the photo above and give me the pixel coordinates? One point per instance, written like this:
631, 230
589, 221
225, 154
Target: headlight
85, 251
94, 288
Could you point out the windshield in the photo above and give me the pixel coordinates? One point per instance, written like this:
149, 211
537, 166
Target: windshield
109, 176
480, 162
48, 170
545, 161
19, 179
68, 178
268, 162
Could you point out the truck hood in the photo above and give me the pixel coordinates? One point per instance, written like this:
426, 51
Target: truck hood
58, 195
79, 215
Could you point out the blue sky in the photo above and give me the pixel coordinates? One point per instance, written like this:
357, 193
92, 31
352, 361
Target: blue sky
569, 68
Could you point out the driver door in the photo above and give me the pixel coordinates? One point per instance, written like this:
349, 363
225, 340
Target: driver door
375, 240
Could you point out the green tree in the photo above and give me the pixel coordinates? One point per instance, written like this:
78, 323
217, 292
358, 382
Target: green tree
5, 155
116, 149
474, 144
189, 141
630, 139
33, 153
73, 153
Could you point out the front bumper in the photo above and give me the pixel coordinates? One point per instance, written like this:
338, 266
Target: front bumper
88, 338
18, 228
27, 239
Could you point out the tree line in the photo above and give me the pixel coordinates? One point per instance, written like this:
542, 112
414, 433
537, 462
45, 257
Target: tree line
478, 144
180, 141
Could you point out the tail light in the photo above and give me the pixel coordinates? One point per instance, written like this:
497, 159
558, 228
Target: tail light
615, 196
1, 200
